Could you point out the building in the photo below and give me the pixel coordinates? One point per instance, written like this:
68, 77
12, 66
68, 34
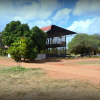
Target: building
54, 40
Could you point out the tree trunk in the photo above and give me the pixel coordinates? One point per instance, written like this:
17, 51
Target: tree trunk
94, 52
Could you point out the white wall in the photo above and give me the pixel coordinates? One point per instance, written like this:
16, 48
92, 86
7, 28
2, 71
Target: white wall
41, 56
9, 56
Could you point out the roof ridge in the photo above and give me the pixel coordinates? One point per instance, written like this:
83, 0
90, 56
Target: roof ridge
46, 28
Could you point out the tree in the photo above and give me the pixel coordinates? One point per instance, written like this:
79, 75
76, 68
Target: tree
36, 43
39, 37
32, 51
36, 38
18, 49
1, 42
10, 32
14, 31
0, 39
96, 38
2, 51
81, 44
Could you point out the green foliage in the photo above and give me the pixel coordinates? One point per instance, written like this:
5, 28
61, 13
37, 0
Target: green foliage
60, 59
15, 69
70, 57
31, 53
82, 44
1, 44
36, 43
4, 52
96, 38
18, 49
0, 38
14, 31
35, 40
10, 33
39, 38
2, 49
95, 56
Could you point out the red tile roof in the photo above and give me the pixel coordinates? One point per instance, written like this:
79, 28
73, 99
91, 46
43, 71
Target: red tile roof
46, 28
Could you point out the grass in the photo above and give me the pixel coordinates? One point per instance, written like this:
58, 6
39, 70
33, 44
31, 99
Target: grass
83, 61
90, 63
19, 83
15, 69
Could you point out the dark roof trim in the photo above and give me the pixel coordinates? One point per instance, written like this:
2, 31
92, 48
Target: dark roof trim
55, 31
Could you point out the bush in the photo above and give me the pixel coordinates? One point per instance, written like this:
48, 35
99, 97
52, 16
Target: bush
95, 56
70, 57
3, 52
60, 58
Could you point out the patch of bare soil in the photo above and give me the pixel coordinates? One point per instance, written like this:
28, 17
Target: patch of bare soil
64, 69
61, 75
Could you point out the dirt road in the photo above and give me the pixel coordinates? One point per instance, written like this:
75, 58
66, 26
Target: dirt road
64, 68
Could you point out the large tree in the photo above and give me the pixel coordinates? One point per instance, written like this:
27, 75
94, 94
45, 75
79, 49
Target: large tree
35, 37
2, 51
96, 38
81, 44
39, 38
0, 39
36, 43
14, 31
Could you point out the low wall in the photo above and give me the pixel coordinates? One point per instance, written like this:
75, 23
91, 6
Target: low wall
9, 56
41, 56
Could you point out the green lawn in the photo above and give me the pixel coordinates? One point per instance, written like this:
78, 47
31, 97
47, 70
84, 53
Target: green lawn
18, 83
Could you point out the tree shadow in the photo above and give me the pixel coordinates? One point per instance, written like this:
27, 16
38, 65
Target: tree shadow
39, 61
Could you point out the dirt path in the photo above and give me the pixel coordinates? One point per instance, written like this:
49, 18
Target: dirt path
65, 68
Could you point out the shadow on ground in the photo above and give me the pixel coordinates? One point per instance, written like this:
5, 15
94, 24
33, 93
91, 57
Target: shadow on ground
42, 61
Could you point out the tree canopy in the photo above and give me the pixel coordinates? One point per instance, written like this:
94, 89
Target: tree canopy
0, 39
84, 44
96, 38
36, 33
2, 51
35, 38
18, 49
14, 31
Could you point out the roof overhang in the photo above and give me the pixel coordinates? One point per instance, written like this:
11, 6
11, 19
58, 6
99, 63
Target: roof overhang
56, 31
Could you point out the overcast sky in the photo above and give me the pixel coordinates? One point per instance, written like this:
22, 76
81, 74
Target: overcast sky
82, 16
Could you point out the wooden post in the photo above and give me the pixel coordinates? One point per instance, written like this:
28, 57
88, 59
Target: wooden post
47, 50
56, 51
65, 46
49, 46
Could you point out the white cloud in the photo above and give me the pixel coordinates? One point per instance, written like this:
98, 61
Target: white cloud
37, 10
27, 10
6, 8
89, 26
40, 23
87, 7
62, 16
95, 26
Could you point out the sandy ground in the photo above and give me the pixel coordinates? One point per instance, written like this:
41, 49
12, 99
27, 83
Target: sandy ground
64, 69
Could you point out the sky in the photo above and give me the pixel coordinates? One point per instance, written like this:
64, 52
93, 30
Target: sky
81, 16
